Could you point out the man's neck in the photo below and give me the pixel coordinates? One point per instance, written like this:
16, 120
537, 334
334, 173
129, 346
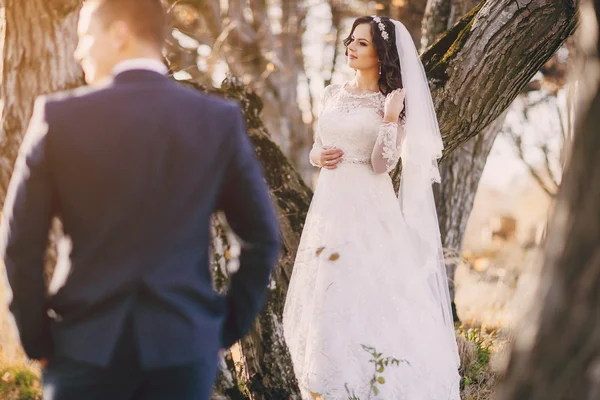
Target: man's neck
141, 63
140, 52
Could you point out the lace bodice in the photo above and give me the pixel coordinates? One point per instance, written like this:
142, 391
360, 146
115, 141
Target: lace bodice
354, 123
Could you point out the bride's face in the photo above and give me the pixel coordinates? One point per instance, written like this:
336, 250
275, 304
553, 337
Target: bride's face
361, 51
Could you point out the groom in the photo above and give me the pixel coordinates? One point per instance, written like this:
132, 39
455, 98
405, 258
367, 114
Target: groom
134, 167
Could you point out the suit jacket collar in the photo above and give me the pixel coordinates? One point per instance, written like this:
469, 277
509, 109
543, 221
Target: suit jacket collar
139, 76
139, 70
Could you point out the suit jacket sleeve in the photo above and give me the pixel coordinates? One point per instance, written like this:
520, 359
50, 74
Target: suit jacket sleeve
24, 231
247, 205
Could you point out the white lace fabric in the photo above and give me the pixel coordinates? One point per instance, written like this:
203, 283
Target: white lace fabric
355, 280
380, 147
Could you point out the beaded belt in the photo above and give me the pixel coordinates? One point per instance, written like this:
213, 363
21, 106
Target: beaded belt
355, 160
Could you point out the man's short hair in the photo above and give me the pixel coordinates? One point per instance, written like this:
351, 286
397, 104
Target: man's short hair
146, 18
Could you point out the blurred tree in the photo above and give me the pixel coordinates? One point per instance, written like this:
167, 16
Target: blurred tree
555, 356
547, 172
35, 60
343, 14
550, 82
258, 41
438, 19
472, 51
336, 37
409, 12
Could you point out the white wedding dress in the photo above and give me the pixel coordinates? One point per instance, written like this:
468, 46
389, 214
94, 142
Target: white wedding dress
354, 281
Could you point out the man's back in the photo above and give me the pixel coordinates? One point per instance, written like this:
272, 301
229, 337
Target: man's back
135, 171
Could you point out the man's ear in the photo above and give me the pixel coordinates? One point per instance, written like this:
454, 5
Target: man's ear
120, 33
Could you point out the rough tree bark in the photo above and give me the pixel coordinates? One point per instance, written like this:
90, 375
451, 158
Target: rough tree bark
462, 170
513, 36
557, 353
440, 15
462, 65
35, 60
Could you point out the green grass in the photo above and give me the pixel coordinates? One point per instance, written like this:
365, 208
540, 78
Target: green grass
477, 379
19, 381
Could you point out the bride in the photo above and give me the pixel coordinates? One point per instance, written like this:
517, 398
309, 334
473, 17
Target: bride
369, 282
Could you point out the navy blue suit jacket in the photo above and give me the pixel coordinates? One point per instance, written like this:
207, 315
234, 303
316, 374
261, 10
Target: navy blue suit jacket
135, 170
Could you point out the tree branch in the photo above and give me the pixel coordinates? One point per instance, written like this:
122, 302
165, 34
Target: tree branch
463, 65
210, 10
514, 37
518, 142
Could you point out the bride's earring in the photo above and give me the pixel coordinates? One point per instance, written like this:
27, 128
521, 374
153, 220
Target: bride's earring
379, 68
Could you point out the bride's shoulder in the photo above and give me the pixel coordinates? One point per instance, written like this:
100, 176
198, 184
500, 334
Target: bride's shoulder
331, 89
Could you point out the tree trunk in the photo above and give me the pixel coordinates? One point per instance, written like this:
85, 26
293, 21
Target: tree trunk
36, 59
435, 22
454, 197
513, 36
462, 65
556, 356
462, 170
301, 138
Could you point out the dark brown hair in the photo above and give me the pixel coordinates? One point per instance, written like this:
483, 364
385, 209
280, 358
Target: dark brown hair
146, 18
391, 76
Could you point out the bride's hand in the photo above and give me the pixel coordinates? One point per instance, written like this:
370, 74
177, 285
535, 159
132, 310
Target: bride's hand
330, 157
394, 104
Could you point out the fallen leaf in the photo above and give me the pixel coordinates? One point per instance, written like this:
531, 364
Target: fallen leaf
320, 250
334, 257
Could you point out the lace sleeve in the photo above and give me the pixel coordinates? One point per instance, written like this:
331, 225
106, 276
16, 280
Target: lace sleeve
315, 152
387, 147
